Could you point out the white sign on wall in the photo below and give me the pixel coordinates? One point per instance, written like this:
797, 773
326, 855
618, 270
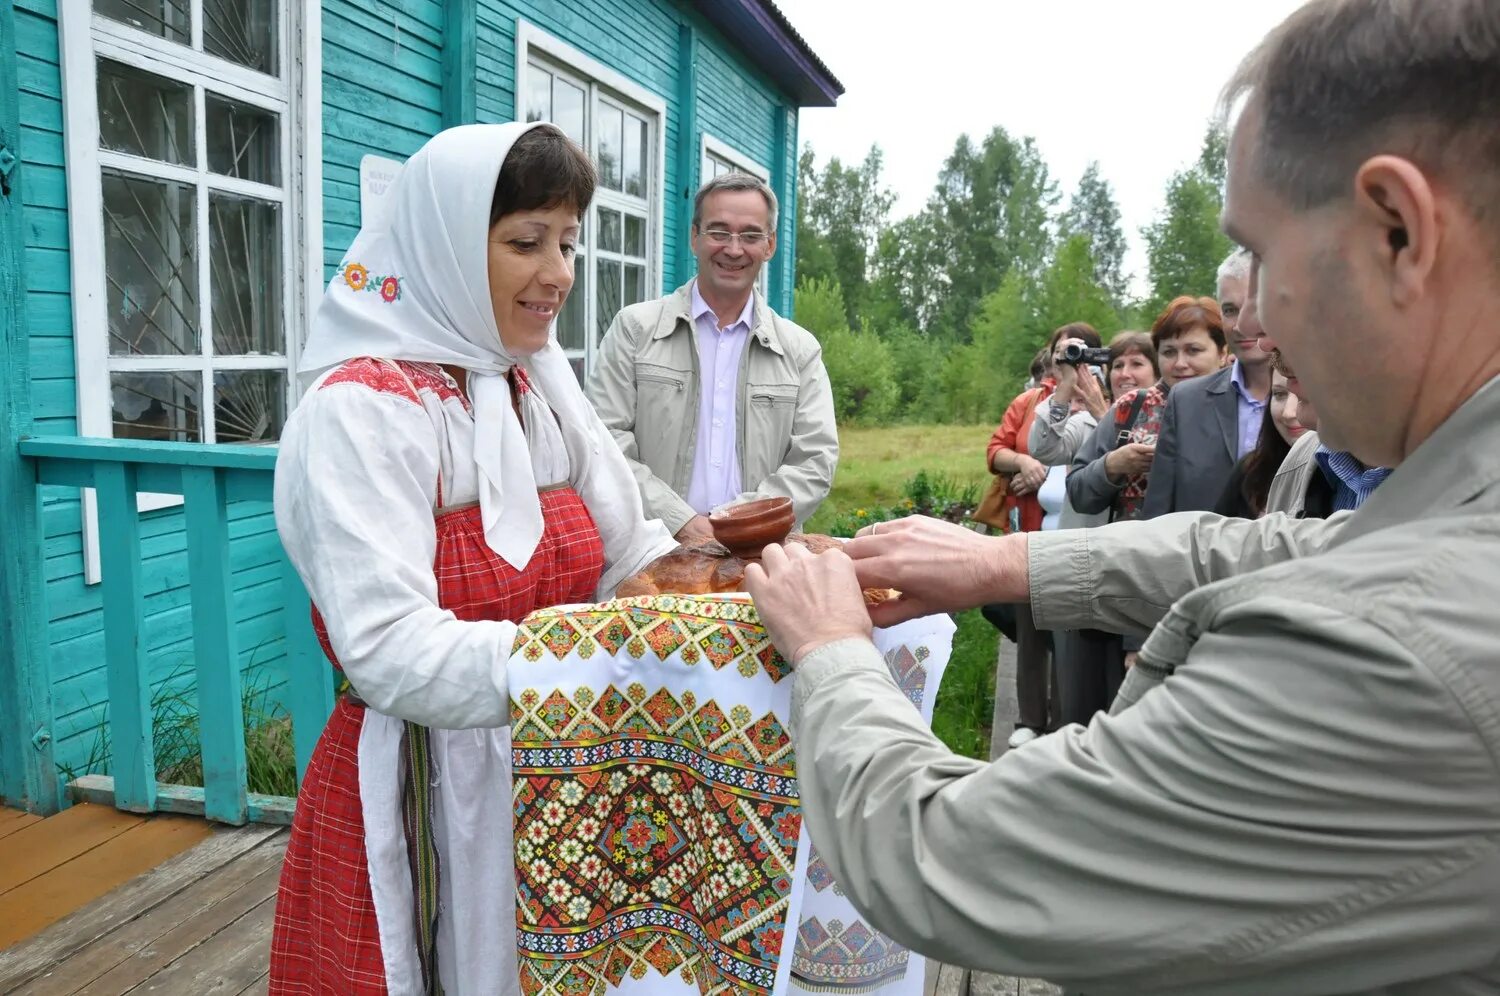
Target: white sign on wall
377, 178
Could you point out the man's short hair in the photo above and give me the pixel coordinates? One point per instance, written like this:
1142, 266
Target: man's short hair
1341, 81
735, 181
1236, 266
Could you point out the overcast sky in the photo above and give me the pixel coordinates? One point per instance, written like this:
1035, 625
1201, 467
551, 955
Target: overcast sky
1132, 85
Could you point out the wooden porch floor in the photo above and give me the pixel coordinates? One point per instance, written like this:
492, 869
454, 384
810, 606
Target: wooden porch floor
101, 902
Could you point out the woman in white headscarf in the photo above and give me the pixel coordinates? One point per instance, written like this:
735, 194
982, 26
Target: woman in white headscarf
443, 477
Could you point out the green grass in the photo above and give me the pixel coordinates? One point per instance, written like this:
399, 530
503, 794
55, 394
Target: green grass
966, 700
876, 463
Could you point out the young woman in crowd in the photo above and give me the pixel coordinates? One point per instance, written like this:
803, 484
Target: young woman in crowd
1287, 419
1009, 454
1110, 472
442, 479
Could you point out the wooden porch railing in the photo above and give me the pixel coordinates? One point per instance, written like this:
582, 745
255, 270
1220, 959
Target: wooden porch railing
208, 478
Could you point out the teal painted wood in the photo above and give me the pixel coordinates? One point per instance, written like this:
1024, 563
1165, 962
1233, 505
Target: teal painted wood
134, 759
309, 694
689, 163
460, 62
221, 718
140, 451
28, 775
783, 177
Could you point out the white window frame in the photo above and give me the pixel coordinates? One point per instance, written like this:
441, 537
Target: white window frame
534, 44
713, 148
296, 96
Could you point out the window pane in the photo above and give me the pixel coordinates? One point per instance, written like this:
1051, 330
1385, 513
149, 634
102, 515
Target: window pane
611, 135
568, 109
243, 141
609, 296
609, 230
145, 115
635, 156
168, 18
242, 31
244, 245
159, 406
570, 322
150, 266
538, 94
249, 405
635, 235
635, 283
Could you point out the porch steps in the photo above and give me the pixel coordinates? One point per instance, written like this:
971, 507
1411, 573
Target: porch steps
51, 867
196, 922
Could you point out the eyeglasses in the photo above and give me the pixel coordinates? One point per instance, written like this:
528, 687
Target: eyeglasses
720, 237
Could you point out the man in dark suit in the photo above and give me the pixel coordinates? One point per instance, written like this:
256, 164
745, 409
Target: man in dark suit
1212, 421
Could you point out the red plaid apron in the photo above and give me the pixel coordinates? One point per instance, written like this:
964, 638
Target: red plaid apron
326, 939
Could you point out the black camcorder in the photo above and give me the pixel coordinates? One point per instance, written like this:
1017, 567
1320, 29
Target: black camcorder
1076, 354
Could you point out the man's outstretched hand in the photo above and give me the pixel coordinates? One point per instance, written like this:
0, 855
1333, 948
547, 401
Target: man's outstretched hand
937, 567
806, 599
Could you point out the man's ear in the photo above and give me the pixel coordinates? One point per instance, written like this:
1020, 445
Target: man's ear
1398, 208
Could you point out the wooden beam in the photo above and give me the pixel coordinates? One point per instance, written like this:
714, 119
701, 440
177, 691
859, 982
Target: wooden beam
687, 149
28, 776
275, 810
460, 62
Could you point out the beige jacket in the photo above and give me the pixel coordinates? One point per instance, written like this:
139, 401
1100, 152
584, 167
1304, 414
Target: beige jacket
1289, 487
1298, 791
645, 385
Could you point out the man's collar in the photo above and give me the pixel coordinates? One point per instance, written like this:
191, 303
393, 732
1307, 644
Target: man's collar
698, 307
1237, 378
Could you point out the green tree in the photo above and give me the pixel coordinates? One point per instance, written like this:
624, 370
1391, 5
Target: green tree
860, 367
993, 206
844, 210
1093, 212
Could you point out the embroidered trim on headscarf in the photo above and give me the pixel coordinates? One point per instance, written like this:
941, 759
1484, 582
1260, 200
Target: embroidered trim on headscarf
356, 277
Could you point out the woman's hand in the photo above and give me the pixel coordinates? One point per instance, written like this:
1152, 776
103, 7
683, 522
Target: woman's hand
1030, 473
1091, 393
937, 567
1129, 460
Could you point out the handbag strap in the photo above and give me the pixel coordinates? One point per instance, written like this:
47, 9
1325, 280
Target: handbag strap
1135, 412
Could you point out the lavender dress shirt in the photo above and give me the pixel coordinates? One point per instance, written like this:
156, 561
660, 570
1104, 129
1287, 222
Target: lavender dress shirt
716, 458
1252, 412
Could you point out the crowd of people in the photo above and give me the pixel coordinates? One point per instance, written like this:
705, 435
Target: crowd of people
1195, 416
1258, 738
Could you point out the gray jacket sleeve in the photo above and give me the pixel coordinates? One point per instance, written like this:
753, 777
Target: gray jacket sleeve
611, 390
1055, 442
806, 473
1212, 839
1124, 577
1090, 490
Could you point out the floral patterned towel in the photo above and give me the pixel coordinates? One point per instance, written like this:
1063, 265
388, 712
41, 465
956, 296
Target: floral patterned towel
659, 840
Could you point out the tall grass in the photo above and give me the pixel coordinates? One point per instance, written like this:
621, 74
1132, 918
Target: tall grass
270, 762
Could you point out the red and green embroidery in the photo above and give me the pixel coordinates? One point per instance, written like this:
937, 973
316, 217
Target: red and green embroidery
357, 277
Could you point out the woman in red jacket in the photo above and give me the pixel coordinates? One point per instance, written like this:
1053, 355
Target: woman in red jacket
1008, 454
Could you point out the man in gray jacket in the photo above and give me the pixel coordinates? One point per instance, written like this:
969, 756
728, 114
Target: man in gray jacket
712, 396
1298, 790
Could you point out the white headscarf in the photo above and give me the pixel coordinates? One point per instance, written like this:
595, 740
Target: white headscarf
424, 296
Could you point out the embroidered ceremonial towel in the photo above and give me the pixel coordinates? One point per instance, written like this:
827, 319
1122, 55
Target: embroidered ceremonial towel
659, 840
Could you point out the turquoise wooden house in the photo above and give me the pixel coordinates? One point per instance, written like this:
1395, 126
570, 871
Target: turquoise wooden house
178, 179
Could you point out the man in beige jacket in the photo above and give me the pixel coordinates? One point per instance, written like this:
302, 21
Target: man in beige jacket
712, 396
1298, 790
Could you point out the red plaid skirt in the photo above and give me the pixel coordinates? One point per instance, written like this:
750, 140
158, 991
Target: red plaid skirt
326, 939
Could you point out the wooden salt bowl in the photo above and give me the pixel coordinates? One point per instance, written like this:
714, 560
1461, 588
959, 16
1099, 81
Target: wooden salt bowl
748, 529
